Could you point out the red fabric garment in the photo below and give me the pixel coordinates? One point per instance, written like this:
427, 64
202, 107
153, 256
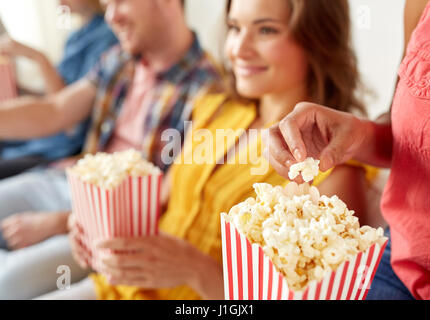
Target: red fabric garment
406, 199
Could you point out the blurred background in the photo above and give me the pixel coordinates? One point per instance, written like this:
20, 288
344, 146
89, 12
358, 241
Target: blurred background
377, 36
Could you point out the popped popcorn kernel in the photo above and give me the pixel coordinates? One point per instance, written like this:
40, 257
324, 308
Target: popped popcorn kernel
308, 169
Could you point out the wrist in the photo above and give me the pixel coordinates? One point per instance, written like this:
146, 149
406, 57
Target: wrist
376, 147
60, 222
367, 129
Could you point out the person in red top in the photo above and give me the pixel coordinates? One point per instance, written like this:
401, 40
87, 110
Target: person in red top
402, 144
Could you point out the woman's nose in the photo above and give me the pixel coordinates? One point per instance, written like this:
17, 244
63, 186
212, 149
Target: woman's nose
243, 45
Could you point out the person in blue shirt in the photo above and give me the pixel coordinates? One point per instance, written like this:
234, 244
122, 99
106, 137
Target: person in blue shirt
82, 50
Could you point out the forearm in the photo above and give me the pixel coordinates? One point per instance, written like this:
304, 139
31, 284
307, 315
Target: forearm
34, 117
377, 149
53, 80
27, 117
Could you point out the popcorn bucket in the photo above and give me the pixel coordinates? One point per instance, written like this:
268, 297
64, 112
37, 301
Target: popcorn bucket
131, 209
250, 275
7, 80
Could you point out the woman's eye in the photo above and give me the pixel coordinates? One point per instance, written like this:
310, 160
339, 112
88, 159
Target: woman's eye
233, 28
268, 30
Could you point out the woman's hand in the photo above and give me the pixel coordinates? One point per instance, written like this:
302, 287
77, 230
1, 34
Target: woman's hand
25, 229
315, 131
80, 252
161, 261
53, 80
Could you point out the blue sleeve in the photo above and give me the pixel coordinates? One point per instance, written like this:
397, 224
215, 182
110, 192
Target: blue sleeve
83, 52
104, 68
96, 51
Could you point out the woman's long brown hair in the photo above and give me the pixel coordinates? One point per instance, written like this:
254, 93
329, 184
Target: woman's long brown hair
323, 29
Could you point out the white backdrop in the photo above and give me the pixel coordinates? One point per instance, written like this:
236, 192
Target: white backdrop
377, 34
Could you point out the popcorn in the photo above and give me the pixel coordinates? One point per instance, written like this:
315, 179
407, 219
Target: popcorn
114, 196
108, 170
309, 169
304, 234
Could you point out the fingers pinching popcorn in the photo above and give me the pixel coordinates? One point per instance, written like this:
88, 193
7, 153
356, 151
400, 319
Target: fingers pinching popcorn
308, 169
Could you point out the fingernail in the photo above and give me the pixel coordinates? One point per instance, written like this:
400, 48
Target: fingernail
328, 163
297, 155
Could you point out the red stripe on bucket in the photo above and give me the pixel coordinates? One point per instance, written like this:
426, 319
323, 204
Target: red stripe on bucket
261, 272
108, 209
239, 265
148, 209
318, 290
354, 275
305, 295
250, 271
330, 285
280, 282
229, 262
290, 294
342, 280
269, 294
158, 204
139, 200
130, 193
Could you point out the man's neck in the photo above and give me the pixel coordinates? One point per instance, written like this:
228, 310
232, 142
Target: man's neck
173, 49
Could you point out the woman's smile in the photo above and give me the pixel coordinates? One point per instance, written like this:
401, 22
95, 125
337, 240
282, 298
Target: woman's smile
249, 70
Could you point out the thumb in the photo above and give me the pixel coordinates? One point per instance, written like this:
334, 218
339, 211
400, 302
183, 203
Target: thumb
71, 222
332, 155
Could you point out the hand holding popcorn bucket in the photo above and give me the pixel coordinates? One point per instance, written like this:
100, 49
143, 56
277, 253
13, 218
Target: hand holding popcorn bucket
293, 244
115, 196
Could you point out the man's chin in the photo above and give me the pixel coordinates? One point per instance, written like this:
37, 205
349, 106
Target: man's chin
129, 48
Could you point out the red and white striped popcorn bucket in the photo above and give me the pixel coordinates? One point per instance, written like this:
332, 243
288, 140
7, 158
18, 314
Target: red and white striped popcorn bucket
132, 209
249, 274
7, 80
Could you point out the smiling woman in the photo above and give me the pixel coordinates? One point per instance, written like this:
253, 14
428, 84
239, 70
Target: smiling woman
320, 48
261, 50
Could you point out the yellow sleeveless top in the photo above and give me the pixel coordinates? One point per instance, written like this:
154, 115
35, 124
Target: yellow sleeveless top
201, 190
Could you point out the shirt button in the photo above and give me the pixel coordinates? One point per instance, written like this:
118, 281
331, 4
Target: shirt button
106, 127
